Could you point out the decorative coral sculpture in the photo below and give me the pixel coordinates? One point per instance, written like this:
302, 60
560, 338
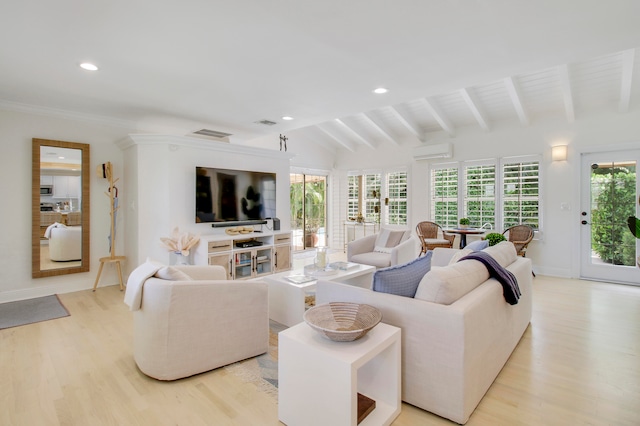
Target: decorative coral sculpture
180, 243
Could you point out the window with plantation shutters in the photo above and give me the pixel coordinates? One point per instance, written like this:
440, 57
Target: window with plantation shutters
353, 197
397, 198
493, 194
480, 195
521, 194
381, 197
444, 196
372, 197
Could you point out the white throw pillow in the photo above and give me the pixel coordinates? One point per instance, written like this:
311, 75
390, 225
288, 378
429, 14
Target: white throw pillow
504, 253
172, 274
448, 284
387, 240
459, 255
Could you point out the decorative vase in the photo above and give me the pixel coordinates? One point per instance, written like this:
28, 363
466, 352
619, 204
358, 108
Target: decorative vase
180, 259
320, 260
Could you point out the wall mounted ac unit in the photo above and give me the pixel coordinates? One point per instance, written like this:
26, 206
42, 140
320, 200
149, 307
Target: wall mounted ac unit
429, 152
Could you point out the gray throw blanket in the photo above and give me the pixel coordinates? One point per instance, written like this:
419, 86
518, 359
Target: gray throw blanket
510, 288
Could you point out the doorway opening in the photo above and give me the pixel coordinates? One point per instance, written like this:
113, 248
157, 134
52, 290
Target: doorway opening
308, 210
610, 195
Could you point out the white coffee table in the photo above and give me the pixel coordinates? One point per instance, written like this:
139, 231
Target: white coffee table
319, 380
286, 299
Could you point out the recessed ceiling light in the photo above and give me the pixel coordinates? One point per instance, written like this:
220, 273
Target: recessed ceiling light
89, 67
286, 117
380, 90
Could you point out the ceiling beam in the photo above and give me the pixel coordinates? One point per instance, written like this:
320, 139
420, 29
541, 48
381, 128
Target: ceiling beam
473, 104
516, 98
376, 126
355, 134
567, 95
410, 127
627, 73
439, 116
337, 140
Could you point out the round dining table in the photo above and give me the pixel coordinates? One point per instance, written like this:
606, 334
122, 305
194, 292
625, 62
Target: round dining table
463, 232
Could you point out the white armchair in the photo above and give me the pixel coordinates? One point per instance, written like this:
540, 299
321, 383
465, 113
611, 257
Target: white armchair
65, 243
185, 327
387, 248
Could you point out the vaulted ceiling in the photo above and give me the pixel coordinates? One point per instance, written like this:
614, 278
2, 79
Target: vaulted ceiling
568, 91
228, 66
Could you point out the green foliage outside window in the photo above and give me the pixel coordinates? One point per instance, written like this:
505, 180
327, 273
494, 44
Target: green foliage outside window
614, 190
307, 203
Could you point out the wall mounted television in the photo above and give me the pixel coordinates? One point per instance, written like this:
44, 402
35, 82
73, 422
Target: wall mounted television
226, 197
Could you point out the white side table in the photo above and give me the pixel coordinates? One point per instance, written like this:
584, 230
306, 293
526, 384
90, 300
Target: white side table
318, 379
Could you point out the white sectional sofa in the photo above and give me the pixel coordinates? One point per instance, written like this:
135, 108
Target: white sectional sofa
457, 332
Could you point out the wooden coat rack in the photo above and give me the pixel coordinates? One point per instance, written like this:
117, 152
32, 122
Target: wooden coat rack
105, 171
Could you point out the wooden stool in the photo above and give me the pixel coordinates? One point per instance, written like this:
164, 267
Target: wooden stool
117, 260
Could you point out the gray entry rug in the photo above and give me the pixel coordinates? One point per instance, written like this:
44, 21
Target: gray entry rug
14, 314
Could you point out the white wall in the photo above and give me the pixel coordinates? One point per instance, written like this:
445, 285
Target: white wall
16, 132
556, 252
150, 210
160, 173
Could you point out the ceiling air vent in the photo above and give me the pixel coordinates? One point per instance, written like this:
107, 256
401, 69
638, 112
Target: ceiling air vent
212, 133
266, 122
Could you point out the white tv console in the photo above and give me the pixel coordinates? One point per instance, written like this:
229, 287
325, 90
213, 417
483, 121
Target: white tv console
273, 255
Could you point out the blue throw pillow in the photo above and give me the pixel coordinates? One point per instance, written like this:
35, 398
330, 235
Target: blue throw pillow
477, 245
402, 280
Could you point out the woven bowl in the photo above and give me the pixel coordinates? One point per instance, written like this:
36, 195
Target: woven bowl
342, 321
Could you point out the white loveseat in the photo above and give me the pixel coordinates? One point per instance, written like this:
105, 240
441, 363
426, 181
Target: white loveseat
451, 353
187, 325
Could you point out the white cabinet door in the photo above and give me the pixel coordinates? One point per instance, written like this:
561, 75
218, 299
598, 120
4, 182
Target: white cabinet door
66, 186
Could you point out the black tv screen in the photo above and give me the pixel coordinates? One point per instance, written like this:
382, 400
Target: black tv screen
225, 195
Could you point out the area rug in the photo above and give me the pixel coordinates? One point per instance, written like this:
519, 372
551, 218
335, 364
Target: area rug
22, 312
262, 370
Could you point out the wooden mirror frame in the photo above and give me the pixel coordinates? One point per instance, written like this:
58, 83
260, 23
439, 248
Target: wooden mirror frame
85, 208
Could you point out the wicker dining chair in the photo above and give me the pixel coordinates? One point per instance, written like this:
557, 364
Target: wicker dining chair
520, 236
74, 218
428, 234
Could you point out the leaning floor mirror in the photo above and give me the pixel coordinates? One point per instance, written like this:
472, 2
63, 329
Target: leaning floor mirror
60, 201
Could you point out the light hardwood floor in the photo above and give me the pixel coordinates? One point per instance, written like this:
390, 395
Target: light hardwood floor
577, 364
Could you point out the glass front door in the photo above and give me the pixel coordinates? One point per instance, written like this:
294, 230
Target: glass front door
308, 210
610, 189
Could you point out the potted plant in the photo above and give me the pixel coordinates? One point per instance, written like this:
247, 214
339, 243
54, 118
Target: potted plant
311, 232
464, 222
494, 238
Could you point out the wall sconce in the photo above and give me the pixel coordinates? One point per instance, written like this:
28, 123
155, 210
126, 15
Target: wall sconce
559, 153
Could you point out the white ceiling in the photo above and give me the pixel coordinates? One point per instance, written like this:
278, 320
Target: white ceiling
224, 65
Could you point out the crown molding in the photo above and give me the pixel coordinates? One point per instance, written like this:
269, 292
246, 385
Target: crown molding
66, 114
174, 142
